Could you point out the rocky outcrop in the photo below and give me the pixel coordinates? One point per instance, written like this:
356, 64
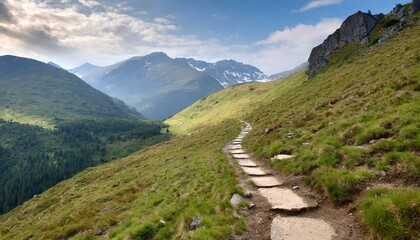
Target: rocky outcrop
415, 6
355, 28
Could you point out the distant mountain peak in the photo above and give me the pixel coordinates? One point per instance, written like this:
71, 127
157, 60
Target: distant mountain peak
54, 65
226, 72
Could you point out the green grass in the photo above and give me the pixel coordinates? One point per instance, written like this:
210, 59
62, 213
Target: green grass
172, 181
232, 103
392, 213
361, 96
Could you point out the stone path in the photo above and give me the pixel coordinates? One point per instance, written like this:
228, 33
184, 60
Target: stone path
280, 198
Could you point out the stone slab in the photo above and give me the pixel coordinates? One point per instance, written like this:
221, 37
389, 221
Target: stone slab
292, 228
268, 181
254, 171
285, 199
236, 142
246, 163
237, 151
241, 156
235, 146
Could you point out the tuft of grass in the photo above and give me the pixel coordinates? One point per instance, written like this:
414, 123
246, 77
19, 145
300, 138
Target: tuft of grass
392, 213
338, 184
372, 134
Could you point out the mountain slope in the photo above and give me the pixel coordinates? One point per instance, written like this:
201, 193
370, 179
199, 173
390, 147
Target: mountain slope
362, 95
78, 127
156, 85
285, 74
35, 92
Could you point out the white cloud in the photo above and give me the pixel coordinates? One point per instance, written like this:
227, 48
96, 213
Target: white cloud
69, 36
162, 20
89, 3
287, 48
318, 3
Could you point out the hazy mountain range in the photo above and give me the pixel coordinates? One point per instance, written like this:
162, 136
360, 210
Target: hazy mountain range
159, 86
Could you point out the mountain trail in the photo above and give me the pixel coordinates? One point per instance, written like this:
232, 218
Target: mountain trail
280, 211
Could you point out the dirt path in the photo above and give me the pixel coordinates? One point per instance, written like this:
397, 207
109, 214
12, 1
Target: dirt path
284, 208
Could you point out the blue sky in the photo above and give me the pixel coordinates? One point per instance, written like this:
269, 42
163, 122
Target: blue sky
274, 35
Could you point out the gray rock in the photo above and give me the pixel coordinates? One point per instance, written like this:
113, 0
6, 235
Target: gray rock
235, 200
105, 210
415, 6
195, 223
248, 194
355, 28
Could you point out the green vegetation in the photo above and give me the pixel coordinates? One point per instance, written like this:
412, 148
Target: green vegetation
354, 121
173, 181
72, 127
392, 213
36, 93
32, 159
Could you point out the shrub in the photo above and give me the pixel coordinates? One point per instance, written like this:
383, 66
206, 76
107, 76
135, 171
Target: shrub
392, 213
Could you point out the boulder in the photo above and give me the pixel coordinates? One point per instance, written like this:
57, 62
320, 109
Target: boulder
415, 6
355, 28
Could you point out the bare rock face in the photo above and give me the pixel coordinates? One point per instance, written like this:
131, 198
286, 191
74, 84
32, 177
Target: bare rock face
355, 28
415, 6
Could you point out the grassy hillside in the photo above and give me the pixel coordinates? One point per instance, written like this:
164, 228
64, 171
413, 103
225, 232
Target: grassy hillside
36, 93
235, 102
174, 182
69, 126
355, 123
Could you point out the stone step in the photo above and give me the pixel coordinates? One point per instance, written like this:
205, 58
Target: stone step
246, 163
236, 151
254, 171
266, 181
241, 156
235, 146
292, 228
285, 200
236, 142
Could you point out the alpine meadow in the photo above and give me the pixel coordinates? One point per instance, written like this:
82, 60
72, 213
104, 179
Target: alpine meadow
111, 128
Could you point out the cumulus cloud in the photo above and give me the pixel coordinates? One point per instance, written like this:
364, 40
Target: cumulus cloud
44, 32
70, 35
318, 3
287, 48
